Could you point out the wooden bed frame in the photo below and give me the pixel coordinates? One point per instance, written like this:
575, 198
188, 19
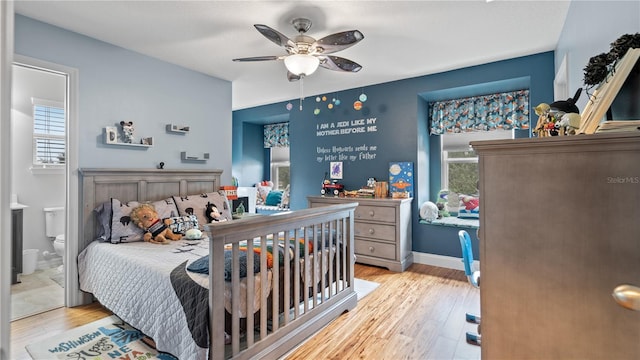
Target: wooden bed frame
290, 318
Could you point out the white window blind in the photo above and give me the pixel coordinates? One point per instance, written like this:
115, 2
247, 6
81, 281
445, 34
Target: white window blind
49, 129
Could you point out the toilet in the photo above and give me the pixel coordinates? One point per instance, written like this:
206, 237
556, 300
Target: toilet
54, 218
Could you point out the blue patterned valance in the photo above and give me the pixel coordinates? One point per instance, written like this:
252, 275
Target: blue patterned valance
276, 135
503, 111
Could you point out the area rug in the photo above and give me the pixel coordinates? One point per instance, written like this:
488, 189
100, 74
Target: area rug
107, 338
111, 338
364, 287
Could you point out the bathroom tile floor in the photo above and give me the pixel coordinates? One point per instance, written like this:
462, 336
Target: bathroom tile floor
36, 293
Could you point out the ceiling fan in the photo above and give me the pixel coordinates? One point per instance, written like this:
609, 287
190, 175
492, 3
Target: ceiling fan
305, 54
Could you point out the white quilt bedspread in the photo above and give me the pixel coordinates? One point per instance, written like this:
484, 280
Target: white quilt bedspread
133, 281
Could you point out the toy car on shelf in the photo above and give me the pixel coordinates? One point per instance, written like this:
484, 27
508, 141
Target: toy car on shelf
333, 186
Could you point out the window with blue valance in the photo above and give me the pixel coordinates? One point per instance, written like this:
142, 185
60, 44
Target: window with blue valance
276, 135
502, 111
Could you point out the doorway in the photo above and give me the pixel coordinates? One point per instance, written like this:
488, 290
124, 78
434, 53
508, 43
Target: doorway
44, 176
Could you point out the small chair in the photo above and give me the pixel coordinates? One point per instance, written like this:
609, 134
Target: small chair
474, 279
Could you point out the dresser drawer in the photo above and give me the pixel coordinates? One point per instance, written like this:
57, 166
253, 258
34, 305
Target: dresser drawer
376, 231
372, 248
378, 213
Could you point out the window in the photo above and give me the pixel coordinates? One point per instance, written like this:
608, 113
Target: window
49, 131
280, 167
460, 162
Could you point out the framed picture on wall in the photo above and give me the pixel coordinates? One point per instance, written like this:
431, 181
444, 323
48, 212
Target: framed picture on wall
336, 170
110, 135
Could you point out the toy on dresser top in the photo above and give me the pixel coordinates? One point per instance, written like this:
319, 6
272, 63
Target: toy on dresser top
558, 118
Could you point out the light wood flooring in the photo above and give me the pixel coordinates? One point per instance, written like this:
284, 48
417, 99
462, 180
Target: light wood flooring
417, 314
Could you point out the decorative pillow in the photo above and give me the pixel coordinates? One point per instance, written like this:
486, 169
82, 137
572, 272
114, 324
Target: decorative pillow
469, 207
180, 224
274, 198
196, 205
114, 221
264, 187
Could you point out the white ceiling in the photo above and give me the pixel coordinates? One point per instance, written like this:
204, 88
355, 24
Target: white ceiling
403, 39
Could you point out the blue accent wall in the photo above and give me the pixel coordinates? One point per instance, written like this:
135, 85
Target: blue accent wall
398, 110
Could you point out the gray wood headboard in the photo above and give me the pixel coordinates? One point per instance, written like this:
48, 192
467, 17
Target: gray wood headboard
100, 185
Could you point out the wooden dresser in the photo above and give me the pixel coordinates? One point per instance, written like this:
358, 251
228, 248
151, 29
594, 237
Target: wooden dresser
559, 230
382, 230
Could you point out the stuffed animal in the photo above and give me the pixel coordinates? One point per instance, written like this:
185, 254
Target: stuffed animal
567, 108
470, 203
429, 211
193, 234
213, 214
441, 203
569, 123
156, 230
558, 118
127, 131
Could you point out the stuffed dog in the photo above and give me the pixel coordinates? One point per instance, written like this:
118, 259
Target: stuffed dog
157, 231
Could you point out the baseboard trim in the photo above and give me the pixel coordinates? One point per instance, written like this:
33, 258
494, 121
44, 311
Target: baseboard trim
448, 262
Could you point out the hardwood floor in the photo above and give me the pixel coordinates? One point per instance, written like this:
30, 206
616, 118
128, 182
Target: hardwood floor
417, 314
35, 328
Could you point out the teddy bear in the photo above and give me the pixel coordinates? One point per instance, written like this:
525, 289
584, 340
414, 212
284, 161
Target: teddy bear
213, 214
156, 230
127, 131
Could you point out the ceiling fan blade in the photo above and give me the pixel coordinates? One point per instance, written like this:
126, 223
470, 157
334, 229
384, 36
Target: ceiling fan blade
274, 35
338, 41
292, 77
339, 64
259, 58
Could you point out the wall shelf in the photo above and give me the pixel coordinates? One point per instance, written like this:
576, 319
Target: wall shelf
177, 129
111, 138
131, 145
188, 157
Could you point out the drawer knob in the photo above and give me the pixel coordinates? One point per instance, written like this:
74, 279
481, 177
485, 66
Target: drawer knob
372, 213
371, 231
371, 249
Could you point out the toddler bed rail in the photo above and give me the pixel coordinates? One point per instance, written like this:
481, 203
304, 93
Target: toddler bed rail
311, 284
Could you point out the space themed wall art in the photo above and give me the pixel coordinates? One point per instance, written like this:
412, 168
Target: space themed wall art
401, 179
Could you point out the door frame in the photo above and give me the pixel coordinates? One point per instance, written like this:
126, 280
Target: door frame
72, 294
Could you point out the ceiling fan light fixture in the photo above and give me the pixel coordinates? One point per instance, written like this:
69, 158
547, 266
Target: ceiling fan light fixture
301, 64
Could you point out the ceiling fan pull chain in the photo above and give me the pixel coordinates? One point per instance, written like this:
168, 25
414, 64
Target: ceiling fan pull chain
301, 91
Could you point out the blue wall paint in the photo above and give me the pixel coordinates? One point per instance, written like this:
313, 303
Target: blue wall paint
118, 84
402, 134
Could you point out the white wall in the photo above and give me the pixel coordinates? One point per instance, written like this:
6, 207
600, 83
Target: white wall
37, 190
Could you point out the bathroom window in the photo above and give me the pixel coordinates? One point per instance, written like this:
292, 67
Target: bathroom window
49, 130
